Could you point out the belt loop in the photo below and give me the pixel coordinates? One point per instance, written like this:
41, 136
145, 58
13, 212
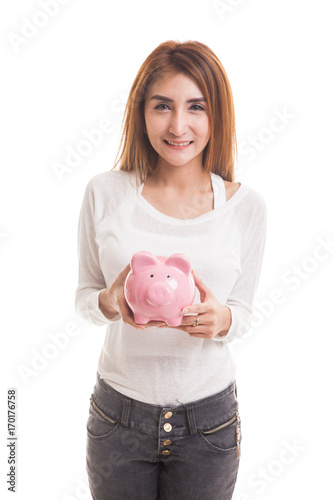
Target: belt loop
191, 419
126, 411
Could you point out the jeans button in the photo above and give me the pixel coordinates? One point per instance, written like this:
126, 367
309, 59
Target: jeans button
166, 452
167, 427
168, 414
167, 442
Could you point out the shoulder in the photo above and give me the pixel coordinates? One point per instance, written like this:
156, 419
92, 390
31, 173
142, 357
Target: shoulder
112, 183
107, 179
230, 188
248, 196
250, 209
106, 192
256, 202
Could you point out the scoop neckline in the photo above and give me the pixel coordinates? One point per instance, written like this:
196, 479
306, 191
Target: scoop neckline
200, 218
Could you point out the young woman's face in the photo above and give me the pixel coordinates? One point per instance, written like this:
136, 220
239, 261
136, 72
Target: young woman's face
177, 120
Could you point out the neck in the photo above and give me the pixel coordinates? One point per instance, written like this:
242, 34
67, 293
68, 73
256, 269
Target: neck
181, 178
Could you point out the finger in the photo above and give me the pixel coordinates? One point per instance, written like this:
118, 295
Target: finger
200, 284
190, 320
195, 309
191, 330
198, 335
129, 321
195, 333
200, 331
155, 323
127, 315
124, 272
204, 291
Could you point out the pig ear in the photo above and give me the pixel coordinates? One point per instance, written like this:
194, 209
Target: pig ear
142, 259
179, 261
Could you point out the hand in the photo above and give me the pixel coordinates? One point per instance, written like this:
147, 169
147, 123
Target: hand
213, 318
112, 301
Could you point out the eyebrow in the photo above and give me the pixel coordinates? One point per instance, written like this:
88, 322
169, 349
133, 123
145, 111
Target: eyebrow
167, 99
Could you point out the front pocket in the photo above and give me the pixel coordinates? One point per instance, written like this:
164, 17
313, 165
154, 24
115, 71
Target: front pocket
222, 426
100, 425
102, 413
224, 437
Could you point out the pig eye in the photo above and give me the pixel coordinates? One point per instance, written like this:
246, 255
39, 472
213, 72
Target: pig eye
152, 275
168, 276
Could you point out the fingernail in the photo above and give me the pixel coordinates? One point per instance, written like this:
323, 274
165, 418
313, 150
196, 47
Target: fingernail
185, 311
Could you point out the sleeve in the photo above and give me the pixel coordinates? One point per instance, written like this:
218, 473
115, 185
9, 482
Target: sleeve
240, 301
91, 280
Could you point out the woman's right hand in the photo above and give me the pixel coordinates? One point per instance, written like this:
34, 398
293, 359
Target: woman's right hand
112, 300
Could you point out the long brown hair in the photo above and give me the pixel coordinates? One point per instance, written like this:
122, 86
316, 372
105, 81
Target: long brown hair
196, 60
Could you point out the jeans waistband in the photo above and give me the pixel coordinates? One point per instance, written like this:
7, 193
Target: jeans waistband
194, 417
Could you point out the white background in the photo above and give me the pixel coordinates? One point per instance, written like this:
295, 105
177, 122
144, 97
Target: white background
66, 77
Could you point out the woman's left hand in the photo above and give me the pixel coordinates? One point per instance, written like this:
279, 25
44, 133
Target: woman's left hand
208, 318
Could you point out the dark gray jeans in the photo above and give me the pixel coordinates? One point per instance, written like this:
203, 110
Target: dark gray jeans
138, 451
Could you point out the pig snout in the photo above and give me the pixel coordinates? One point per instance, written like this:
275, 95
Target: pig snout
159, 294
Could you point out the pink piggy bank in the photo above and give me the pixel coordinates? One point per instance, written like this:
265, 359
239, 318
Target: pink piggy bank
158, 288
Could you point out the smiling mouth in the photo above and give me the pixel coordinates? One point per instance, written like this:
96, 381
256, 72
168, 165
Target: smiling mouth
178, 144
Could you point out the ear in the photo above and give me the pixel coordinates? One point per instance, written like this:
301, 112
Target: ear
179, 261
143, 259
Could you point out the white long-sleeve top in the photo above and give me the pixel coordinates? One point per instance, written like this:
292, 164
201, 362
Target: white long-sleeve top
225, 246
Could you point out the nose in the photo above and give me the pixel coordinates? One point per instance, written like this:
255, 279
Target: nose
178, 123
158, 294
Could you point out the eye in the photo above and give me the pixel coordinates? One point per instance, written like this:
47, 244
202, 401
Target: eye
152, 275
168, 276
160, 107
197, 107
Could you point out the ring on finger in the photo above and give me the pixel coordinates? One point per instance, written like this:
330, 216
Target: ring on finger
196, 321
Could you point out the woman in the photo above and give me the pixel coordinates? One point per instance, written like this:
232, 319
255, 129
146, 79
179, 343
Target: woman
164, 421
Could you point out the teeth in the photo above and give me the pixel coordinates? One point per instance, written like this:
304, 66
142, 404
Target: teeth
179, 144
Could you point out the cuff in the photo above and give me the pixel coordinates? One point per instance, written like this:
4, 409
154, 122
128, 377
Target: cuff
232, 332
95, 314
